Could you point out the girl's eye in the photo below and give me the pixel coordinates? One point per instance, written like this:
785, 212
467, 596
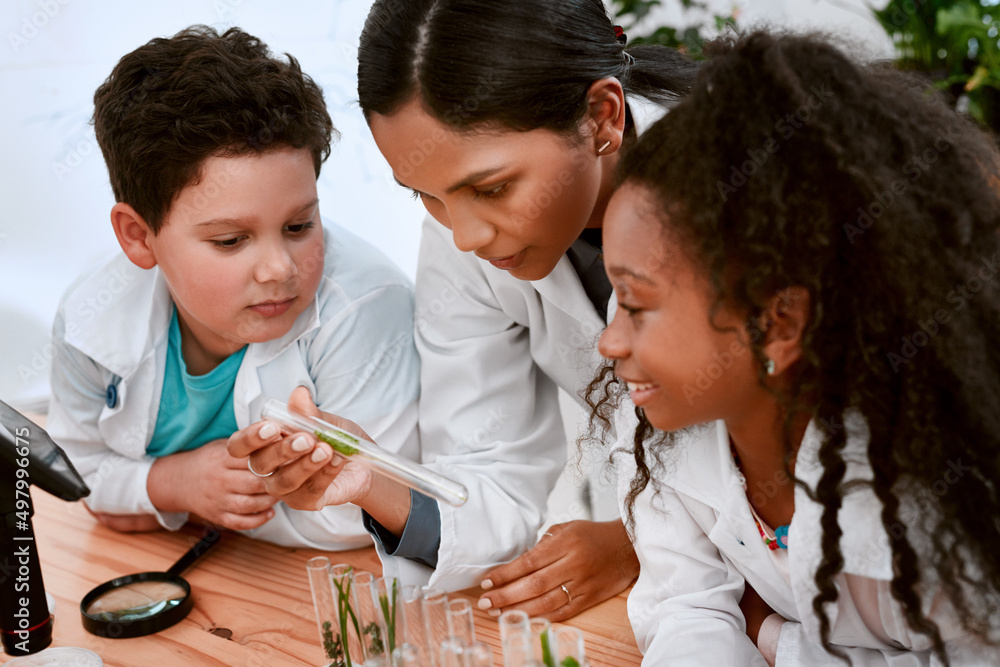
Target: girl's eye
632, 312
491, 193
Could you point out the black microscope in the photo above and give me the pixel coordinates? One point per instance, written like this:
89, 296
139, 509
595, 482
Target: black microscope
27, 457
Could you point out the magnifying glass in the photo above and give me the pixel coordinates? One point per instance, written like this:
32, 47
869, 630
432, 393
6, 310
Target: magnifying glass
144, 603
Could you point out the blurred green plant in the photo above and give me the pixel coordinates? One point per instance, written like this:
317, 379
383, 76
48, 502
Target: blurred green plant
956, 42
689, 39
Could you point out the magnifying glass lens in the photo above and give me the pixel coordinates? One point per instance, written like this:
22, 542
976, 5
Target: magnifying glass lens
137, 600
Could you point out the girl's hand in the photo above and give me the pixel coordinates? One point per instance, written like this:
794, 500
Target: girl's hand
755, 610
298, 469
593, 561
210, 483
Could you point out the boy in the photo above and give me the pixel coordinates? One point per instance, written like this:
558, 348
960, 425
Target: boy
230, 291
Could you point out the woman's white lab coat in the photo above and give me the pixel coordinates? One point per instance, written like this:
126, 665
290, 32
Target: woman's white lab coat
494, 350
352, 348
697, 544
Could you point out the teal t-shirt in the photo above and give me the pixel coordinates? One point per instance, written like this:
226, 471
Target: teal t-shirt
194, 409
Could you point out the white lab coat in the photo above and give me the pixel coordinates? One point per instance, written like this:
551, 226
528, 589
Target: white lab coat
697, 544
353, 349
494, 351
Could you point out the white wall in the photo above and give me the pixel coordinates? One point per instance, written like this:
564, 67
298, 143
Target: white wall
53, 185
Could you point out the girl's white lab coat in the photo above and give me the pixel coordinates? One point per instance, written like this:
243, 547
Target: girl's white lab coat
494, 351
353, 349
697, 544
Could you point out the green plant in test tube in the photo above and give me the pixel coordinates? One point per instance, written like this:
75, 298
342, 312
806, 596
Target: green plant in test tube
345, 610
341, 442
547, 659
389, 613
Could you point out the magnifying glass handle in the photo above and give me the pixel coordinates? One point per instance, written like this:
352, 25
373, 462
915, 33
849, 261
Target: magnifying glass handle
196, 552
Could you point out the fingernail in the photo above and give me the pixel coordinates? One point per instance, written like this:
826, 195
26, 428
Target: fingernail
493, 612
318, 455
267, 431
300, 444
486, 584
484, 603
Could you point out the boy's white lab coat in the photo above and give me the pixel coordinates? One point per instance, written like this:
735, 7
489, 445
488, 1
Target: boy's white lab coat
353, 349
494, 351
697, 544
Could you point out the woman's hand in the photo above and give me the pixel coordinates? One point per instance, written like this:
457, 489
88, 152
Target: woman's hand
298, 469
573, 567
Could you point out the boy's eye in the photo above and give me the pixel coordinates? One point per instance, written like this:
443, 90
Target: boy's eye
228, 243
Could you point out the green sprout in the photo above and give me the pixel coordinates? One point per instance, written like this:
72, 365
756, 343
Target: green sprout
341, 442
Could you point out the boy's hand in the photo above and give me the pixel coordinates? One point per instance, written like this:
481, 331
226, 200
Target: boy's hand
592, 560
298, 469
212, 484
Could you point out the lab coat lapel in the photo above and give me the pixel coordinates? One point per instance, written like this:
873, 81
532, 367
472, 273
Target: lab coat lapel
562, 287
712, 477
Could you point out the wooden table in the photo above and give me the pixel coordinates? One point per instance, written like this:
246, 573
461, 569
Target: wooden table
252, 605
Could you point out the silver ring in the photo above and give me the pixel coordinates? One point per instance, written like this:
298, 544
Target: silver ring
569, 598
250, 468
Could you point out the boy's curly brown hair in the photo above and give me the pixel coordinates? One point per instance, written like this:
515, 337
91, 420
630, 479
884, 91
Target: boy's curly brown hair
173, 102
791, 165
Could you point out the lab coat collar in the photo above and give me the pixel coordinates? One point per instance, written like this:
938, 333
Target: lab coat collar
563, 288
122, 313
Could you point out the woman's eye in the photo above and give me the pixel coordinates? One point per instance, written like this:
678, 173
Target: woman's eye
300, 227
491, 193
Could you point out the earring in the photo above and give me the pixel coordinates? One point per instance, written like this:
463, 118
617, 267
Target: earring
769, 366
606, 144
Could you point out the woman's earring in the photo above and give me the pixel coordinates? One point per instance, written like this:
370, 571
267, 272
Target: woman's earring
769, 366
602, 148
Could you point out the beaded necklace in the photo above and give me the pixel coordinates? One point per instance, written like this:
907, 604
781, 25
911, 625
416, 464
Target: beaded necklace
779, 540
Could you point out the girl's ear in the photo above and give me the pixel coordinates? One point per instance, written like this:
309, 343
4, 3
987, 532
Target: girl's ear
134, 235
785, 320
606, 115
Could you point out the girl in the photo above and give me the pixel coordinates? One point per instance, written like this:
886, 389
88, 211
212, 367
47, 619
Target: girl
506, 119
829, 316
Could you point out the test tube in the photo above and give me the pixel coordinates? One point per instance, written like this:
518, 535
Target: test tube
452, 653
374, 634
346, 444
460, 621
436, 621
414, 630
515, 639
407, 655
569, 645
318, 570
543, 642
478, 654
386, 592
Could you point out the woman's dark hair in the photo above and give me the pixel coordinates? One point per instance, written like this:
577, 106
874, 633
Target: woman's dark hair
790, 165
173, 102
515, 64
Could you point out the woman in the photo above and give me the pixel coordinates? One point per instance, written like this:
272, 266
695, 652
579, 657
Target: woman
506, 119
